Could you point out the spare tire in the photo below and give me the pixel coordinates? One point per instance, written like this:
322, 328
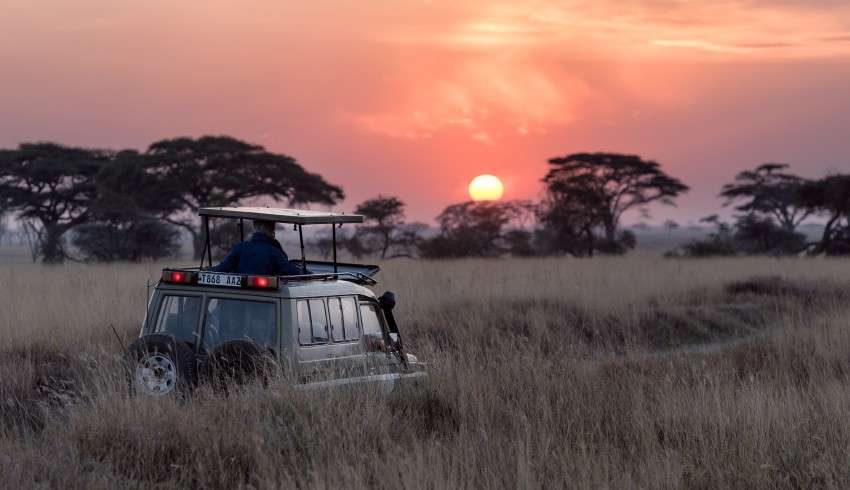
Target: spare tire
159, 365
240, 362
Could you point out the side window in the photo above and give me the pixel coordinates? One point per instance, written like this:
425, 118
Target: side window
373, 336
178, 316
234, 319
349, 318
343, 316
319, 320
312, 322
335, 316
305, 328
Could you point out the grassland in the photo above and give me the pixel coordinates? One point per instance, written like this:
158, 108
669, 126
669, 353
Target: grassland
627, 372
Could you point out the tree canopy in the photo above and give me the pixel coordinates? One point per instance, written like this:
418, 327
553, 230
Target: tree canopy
124, 222
126, 189
830, 196
769, 190
51, 189
473, 229
383, 216
590, 191
52, 186
221, 171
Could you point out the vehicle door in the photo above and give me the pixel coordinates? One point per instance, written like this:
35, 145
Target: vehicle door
229, 318
328, 332
177, 314
375, 339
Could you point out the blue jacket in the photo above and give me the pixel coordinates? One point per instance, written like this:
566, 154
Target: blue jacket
260, 255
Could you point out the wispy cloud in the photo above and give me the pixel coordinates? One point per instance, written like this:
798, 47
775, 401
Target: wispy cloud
837, 38
701, 45
506, 65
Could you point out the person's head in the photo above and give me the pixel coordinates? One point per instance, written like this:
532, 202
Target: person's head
264, 227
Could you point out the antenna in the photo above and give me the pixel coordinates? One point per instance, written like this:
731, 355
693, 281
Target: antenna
120, 342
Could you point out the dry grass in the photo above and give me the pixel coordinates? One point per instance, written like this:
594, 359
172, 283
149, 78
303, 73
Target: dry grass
624, 372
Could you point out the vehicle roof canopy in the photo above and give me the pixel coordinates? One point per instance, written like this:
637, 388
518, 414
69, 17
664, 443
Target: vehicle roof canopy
298, 217
282, 215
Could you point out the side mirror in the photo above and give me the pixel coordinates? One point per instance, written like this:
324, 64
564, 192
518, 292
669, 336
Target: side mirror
387, 300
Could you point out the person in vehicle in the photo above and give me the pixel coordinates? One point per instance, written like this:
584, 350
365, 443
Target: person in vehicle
261, 255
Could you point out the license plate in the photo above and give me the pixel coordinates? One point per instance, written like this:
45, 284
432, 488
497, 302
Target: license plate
213, 279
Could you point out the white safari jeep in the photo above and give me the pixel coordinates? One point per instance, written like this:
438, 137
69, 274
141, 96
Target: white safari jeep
322, 329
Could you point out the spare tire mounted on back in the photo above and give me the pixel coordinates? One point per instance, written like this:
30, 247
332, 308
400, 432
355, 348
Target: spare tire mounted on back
159, 365
240, 361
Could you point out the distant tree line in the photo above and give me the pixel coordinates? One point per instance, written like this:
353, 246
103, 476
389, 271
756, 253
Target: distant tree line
771, 204
105, 205
586, 195
129, 205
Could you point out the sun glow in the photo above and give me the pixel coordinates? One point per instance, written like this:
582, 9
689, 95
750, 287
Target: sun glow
486, 188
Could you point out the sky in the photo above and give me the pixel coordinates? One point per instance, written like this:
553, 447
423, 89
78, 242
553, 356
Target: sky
415, 98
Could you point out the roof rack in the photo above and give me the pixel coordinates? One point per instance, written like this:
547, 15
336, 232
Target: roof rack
282, 215
355, 277
298, 217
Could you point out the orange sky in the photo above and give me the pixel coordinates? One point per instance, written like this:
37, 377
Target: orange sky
416, 98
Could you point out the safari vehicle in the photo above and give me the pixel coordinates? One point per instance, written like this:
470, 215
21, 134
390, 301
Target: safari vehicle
323, 328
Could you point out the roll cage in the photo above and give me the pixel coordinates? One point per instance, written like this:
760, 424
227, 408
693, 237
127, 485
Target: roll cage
320, 270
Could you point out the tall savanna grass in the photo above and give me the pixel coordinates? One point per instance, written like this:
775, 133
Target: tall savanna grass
610, 372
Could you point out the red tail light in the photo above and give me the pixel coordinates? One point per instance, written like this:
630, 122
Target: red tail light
178, 277
264, 282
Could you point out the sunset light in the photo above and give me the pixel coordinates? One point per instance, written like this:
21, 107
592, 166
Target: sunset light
368, 94
608, 225
486, 188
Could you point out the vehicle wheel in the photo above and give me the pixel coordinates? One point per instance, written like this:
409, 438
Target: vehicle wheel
159, 366
240, 362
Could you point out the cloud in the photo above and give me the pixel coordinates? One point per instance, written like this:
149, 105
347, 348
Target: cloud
838, 38
482, 97
703, 45
505, 65
737, 48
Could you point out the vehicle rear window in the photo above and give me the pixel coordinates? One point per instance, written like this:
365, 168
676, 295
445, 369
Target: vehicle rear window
312, 322
343, 316
373, 335
178, 316
235, 319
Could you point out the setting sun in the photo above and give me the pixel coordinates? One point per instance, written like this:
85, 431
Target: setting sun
486, 188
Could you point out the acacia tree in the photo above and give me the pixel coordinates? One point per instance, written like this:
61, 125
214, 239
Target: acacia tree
124, 222
221, 171
586, 191
383, 215
569, 222
51, 187
771, 191
473, 229
126, 190
830, 196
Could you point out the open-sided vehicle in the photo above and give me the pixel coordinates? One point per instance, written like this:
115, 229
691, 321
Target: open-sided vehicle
323, 328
